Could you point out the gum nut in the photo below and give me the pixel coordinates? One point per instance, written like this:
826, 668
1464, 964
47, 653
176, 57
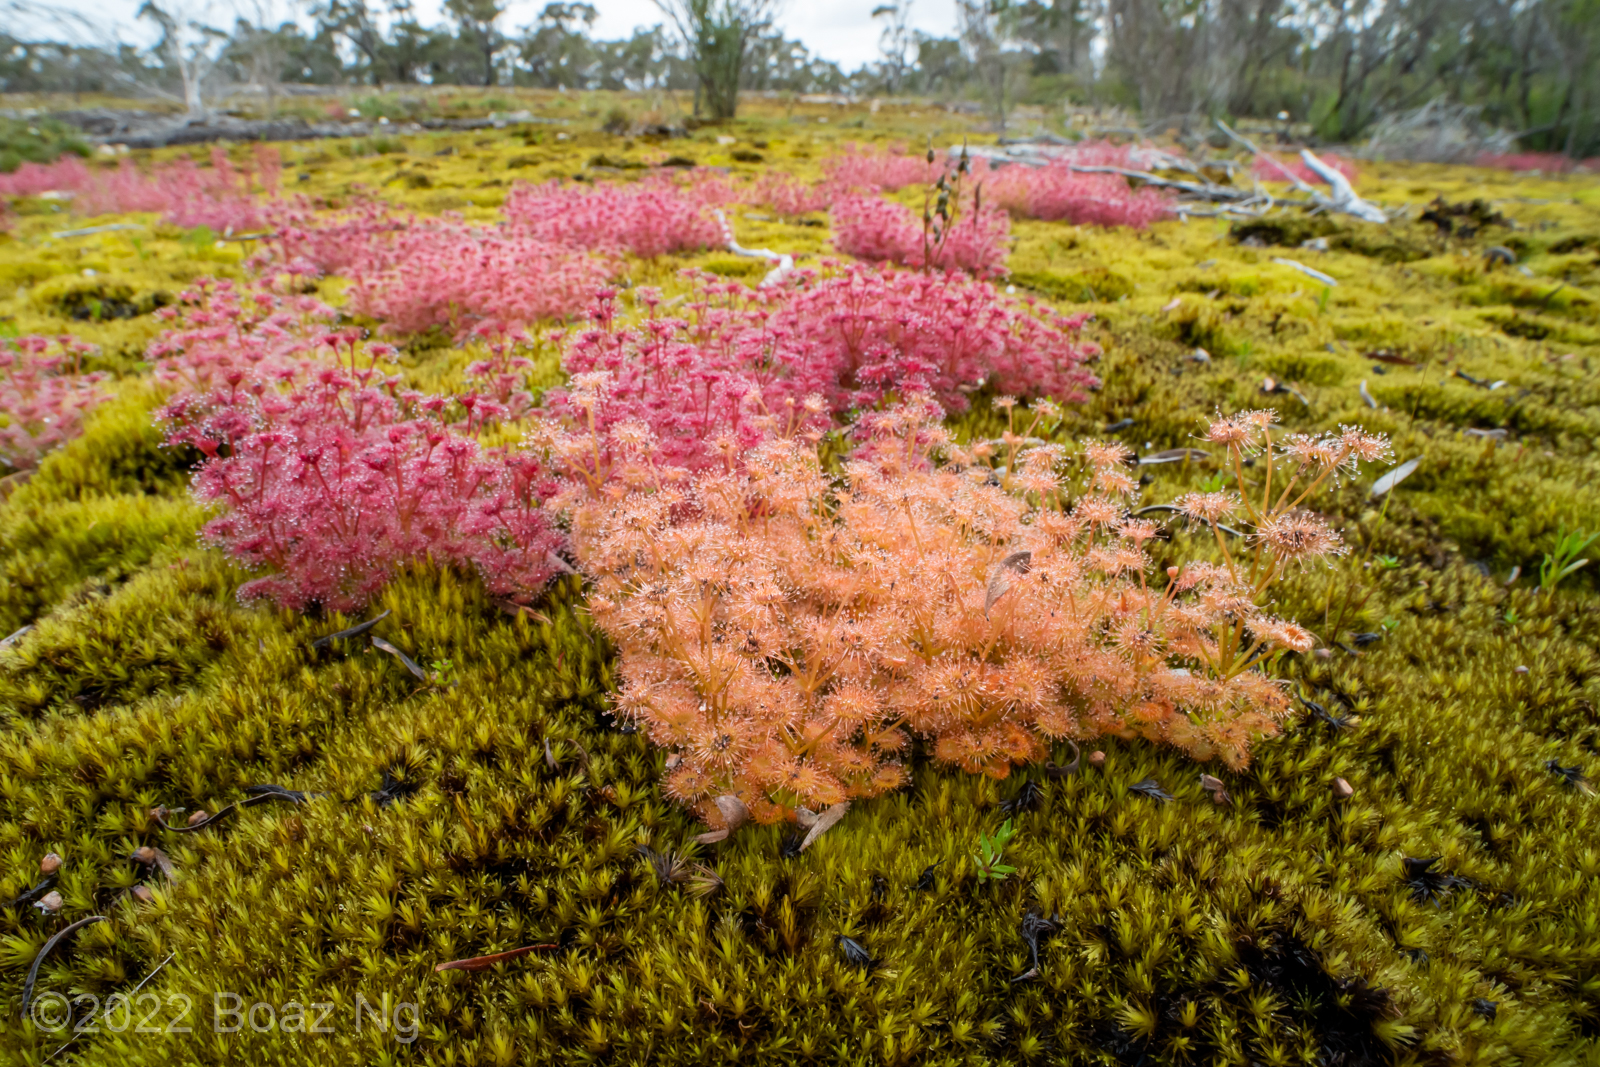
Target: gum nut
50, 864
142, 894
1097, 758
144, 854
1342, 790
51, 901
198, 817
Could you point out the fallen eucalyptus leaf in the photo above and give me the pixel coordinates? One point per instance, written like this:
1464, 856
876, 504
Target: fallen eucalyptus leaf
1151, 788
734, 813
383, 646
999, 580
1394, 477
38, 961
1173, 455
355, 631
480, 963
824, 822
855, 953
1309, 272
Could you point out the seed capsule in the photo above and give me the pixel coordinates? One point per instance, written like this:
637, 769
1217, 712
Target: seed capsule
50, 864
1097, 758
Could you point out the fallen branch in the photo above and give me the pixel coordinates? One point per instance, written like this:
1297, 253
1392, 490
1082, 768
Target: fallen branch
785, 262
1344, 198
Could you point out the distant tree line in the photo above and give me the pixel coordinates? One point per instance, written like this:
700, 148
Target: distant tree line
1529, 66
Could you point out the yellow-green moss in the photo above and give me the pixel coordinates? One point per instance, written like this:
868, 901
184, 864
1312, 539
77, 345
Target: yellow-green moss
1260, 932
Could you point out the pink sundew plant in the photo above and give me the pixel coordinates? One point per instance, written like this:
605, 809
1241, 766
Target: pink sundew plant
184, 193
44, 396
331, 476
415, 273
443, 273
648, 218
876, 230
878, 169
789, 196
741, 364
785, 636
1546, 162
1272, 169
317, 241
1056, 192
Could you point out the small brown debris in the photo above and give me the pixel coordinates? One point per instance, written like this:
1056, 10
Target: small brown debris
1097, 758
1218, 791
734, 815
142, 894
199, 817
50, 864
51, 901
1519, 670
1342, 790
154, 857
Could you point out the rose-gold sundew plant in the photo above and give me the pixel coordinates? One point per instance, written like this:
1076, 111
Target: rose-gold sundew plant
786, 633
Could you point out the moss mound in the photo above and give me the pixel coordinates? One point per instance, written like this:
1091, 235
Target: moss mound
1443, 909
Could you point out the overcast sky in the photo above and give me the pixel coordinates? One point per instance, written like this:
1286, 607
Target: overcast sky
840, 30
